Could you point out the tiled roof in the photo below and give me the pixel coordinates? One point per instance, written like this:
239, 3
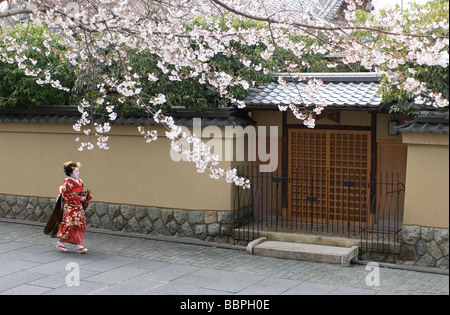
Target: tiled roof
427, 122
339, 91
183, 117
303, 10
326, 9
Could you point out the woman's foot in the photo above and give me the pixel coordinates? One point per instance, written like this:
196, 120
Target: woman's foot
81, 249
61, 247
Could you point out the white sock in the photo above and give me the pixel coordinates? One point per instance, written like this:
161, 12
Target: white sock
79, 246
60, 243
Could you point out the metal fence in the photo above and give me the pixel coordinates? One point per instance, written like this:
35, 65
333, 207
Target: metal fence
323, 203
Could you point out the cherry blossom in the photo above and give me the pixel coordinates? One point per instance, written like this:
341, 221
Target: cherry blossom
86, 29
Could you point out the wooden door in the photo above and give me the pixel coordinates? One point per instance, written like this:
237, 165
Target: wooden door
330, 171
307, 151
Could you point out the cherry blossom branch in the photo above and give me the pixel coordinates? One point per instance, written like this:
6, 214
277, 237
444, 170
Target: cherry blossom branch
159, 28
13, 12
198, 154
323, 28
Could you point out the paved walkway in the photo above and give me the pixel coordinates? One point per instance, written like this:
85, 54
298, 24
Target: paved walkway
119, 264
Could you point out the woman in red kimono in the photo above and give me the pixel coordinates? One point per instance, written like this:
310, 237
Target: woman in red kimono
75, 200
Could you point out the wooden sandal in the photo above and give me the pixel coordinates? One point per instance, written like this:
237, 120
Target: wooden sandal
82, 250
61, 248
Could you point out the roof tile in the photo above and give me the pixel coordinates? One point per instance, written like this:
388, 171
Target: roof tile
341, 91
427, 122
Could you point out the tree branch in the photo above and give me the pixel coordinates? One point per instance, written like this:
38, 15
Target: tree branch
13, 12
323, 28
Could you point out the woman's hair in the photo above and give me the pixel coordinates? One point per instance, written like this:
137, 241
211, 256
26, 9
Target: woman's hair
70, 166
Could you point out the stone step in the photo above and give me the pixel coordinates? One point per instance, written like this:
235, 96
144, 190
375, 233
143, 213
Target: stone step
307, 252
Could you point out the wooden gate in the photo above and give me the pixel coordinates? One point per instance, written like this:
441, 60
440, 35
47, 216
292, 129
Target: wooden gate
330, 171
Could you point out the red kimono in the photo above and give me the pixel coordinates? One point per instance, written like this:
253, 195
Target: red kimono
73, 224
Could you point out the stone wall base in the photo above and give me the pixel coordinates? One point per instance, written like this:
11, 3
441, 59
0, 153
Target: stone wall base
213, 226
424, 246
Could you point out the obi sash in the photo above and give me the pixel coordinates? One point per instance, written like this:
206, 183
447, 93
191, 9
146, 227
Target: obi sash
77, 190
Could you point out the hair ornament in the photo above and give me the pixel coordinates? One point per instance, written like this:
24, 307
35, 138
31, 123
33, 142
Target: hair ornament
78, 164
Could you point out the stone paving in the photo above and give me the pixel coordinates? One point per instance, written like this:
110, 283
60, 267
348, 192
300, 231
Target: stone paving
126, 264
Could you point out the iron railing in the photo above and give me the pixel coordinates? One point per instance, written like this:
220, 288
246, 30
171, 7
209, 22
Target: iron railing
324, 203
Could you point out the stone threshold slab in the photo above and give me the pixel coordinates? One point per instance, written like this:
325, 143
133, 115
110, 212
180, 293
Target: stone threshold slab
307, 252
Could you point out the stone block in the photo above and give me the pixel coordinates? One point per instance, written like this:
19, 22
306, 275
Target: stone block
411, 234
101, 209
146, 225
106, 222
127, 211
210, 217
160, 228
426, 261
307, 252
225, 217
187, 229
196, 217
93, 220
442, 263
213, 229
172, 227
180, 216
200, 231
134, 225
11, 200
141, 212
113, 211
444, 248
119, 222
154, 213
434, 250
22, 201
441, 235
426, 233
421, 247
166, 215
408, 252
